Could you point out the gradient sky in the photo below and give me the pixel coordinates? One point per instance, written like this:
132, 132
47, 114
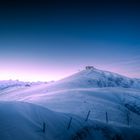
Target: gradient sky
43, 40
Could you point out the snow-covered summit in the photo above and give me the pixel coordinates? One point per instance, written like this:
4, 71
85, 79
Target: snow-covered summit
92, 77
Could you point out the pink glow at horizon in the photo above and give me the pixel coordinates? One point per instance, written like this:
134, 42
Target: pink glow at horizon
34, 72
29, 75
28, 72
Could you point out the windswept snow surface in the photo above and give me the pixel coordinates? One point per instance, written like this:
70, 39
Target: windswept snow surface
24, 121
93, 90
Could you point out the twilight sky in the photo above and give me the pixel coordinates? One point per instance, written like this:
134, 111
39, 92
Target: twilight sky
48, 39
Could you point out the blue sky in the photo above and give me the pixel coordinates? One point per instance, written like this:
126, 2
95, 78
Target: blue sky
48, 40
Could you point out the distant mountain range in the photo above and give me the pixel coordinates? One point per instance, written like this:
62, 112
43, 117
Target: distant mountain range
91, 77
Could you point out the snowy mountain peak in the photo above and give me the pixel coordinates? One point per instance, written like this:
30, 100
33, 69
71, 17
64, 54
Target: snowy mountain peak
92, 77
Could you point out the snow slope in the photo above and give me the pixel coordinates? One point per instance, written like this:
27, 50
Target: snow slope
20, 121
70, 95
24, 121
95, 90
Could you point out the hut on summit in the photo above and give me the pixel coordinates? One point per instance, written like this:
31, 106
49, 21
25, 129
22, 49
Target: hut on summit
89, 67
